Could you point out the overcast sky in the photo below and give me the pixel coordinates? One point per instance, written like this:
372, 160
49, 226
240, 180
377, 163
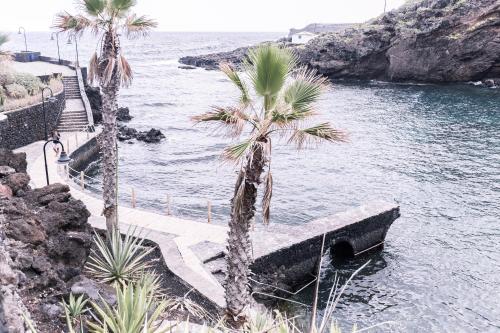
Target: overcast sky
208, 15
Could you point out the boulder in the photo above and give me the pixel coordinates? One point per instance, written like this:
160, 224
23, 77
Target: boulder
5, 191
17, 161
18, 182
123, 114
93, 289
151, 136
6, 170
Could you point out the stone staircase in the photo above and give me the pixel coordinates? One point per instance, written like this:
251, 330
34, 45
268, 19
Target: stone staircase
74, 116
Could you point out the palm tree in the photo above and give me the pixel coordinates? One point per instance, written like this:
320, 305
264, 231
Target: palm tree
108, 19
283, 98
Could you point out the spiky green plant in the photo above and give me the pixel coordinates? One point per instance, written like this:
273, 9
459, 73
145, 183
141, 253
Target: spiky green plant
75, 307
118, 259
137, 310
108, 20
277, 98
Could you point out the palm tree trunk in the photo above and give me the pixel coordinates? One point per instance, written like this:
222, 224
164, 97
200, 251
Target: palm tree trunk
108, 140
239, 243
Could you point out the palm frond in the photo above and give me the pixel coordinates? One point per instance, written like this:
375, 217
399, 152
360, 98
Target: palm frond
109, 71
239, 150
124, 71
93, 7
314, 134
231, 119
239, 193
233, 75
93, 68
3, 39
136, 26
266, 199
304, 91
120, 7
268, 68
64, 21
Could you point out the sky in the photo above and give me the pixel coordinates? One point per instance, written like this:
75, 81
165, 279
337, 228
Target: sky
208, 15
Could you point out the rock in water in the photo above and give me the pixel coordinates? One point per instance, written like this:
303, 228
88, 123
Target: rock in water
151, 136
126, 133
427, 41
123, 114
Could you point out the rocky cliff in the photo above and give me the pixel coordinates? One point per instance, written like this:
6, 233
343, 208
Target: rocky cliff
426, 40
44, 242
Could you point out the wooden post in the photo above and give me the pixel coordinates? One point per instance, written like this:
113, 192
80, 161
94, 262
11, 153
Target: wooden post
168, 204
67, 146
82, 180
133, 198
209, 211
76, 139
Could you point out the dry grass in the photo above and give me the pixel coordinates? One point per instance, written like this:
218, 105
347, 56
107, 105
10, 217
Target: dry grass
13, 104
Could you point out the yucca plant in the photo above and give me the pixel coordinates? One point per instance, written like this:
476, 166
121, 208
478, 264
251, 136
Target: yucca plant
118, 259
276, 99
137, 310
75, 307
108, 20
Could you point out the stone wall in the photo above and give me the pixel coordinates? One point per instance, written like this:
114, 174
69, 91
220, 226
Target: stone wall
24, 126
84, 155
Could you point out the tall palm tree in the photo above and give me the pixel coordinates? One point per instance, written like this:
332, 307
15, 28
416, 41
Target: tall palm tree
282, 99
108, 19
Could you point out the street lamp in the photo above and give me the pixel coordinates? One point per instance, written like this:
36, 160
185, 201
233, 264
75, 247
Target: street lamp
57, 41
49, 99
24, 33
76, 46
62, 160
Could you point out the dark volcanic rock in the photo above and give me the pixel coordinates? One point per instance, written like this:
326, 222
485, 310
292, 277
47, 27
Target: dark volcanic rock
151, 136
123, 114
17, 161
45, 239
427, 40
212, 61
95, 100
126, 133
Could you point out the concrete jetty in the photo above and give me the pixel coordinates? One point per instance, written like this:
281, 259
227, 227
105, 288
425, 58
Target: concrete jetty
194, 252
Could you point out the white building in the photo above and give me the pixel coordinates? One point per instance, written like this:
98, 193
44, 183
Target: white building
302, 37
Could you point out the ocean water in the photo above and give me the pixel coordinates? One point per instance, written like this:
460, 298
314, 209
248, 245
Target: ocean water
434, 149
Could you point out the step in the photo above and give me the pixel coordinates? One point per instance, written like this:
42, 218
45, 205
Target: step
73, 116
81, 121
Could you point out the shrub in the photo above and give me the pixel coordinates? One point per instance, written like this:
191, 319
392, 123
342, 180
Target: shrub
15, 90
29, 81
3, 96
6, 76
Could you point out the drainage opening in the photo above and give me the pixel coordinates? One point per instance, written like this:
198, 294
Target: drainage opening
341, 250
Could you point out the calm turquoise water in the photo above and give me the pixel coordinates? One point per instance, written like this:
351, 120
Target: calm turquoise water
433, 149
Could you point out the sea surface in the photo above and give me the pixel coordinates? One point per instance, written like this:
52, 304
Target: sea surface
433, 149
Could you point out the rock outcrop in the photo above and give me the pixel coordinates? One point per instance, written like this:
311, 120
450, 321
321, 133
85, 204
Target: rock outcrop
45, 240
126, 133
426, 41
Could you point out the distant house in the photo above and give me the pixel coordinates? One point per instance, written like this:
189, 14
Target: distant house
302, 37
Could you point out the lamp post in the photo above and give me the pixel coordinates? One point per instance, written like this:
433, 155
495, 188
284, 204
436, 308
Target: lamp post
49, 99
76, 47
57, 41
24, 33
63, 158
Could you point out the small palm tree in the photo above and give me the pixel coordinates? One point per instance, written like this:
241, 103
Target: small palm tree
107, 19
283, 98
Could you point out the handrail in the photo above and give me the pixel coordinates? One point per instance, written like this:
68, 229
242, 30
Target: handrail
85, 99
